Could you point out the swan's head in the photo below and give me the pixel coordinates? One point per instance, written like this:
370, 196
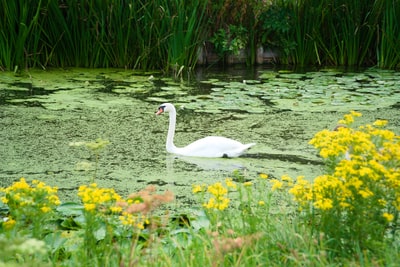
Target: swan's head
166, 107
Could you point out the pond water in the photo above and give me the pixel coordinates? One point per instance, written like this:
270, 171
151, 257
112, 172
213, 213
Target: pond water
43, 112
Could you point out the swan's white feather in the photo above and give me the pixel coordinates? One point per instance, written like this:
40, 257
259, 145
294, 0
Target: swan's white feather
215, 147
211, 146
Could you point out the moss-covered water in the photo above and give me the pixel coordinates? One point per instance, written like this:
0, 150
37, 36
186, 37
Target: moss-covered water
42, 113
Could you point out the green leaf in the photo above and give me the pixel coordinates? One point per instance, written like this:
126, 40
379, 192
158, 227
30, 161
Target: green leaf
70, 209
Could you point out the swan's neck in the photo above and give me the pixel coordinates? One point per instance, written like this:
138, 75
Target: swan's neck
171, 148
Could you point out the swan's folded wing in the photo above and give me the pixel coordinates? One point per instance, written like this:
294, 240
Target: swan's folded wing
214, 146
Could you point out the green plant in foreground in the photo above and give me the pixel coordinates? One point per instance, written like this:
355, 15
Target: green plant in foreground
238, 215
26, 251
105, 230
108, 213
30, 206
356, 204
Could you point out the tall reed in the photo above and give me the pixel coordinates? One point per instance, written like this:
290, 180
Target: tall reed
108, 33
19, 33
350, 33
389, 43
306, 19
186, 31
343, 32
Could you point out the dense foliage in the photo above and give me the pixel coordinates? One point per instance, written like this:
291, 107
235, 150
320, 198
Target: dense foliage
167, 34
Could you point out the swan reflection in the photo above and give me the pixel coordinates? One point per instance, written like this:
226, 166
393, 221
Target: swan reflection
216, 164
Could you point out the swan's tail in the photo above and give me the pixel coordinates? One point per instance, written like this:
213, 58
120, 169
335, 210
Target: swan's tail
240, 151
249, 145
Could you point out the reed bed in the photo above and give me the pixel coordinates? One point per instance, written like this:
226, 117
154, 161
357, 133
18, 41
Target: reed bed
114, 33
167, 35
343, 33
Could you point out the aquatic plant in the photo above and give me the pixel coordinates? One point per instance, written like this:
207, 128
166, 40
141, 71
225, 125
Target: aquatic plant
359, 191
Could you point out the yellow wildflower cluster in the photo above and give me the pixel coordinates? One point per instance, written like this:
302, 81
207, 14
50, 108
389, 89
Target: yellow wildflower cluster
280, 184
39, 196
135, 220
98, 199
348, 119
27, 201
365, 171
132, 211
219, 194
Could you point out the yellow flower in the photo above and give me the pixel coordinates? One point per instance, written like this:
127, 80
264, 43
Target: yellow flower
116, 209
276, 184
223, 203
263, 176
355, 182
365, 193
89, 207
31, 201
137, 221
382, 202
217, 189
197, 189
210, 204
219, 203
261, 203
21, 184
380, 123
389, 217
347, 119
45, 209
344, 205
9, 224
247, 183
229, 183
53, 199
286, 178
93, 197
4, 200
324, 204
140, 226
355, 113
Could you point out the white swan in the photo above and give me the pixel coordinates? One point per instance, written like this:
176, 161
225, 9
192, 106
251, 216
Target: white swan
210, 146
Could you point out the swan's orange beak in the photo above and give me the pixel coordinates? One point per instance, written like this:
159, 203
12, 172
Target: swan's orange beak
160, 110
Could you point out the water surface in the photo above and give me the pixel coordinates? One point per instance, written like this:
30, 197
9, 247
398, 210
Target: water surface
42, 112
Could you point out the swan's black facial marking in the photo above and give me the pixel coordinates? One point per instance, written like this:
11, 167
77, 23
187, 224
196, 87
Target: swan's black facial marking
160, 110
